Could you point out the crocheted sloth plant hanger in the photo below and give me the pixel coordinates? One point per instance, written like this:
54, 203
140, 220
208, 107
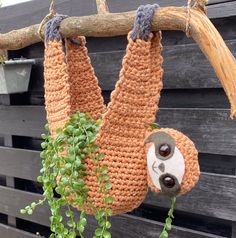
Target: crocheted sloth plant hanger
105, 166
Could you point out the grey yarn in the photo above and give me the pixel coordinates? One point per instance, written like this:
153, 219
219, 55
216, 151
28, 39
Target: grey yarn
52, 28
143, 20
137, 22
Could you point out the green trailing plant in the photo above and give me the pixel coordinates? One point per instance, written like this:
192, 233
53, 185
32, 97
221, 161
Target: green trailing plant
64, 173
169, 219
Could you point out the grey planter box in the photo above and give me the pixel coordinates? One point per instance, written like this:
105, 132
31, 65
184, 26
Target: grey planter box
15, 76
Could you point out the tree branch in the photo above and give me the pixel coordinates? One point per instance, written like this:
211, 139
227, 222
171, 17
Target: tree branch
167, 18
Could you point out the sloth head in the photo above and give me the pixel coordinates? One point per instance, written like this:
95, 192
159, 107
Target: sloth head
172, 162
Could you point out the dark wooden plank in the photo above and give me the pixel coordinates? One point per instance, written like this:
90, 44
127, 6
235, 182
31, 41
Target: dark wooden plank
218, 1
122, 226
221, 10
233, 231
19, 163
119, 6
10, 232
218, 164
214, 11
26, 164
200, 98
133, 227
214, 196
199, 201
23, 120
28, 13
212, 130
185, 67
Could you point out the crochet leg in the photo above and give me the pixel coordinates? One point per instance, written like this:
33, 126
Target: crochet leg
84, 89
57, 98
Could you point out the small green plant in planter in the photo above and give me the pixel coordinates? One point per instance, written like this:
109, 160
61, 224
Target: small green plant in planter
64, 172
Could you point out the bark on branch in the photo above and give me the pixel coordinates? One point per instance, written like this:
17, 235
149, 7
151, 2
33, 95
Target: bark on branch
167, 18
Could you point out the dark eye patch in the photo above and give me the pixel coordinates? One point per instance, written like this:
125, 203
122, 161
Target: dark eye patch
164, 144
164, 150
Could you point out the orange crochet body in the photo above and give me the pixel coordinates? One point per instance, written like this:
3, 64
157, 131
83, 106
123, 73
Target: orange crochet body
132, 109
72, 86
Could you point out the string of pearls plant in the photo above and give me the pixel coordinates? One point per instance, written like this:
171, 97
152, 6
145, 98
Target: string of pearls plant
63, 173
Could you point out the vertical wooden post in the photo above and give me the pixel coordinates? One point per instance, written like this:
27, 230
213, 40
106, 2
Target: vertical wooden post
234, 223
10, 182
234, 230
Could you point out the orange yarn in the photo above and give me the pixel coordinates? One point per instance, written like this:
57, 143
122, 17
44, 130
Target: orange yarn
132, 109
85, 94
72, 86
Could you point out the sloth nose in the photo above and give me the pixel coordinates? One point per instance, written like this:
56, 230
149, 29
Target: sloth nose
168, 181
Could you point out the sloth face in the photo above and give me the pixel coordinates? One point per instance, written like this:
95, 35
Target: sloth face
172, 162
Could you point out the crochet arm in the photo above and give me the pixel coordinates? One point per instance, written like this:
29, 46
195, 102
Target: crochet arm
84, 89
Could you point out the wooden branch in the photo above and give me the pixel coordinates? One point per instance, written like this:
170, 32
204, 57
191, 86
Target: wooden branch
168, 18
102, 6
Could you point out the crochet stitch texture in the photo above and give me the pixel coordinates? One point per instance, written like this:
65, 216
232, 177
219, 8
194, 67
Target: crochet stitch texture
71, 85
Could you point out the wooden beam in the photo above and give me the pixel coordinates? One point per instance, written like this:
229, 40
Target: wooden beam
9, 232
167, 18
12, 200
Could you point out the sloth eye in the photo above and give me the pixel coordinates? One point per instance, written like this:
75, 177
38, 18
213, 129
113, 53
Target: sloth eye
164, 150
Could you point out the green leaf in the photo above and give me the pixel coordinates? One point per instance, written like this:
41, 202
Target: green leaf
80, 228
43, 145
68, 166
108, 186
40, 179
108, 212
106, 234
100, 156
108, 225
46, 127
83, 221
71, 224
155, 126
164, 234
103, 170
98, 232
77, 162
109, 200
71, 234
23, 211
69, 213
30, 211
168, 224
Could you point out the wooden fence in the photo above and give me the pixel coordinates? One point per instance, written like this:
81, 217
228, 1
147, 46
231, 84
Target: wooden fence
192, 101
